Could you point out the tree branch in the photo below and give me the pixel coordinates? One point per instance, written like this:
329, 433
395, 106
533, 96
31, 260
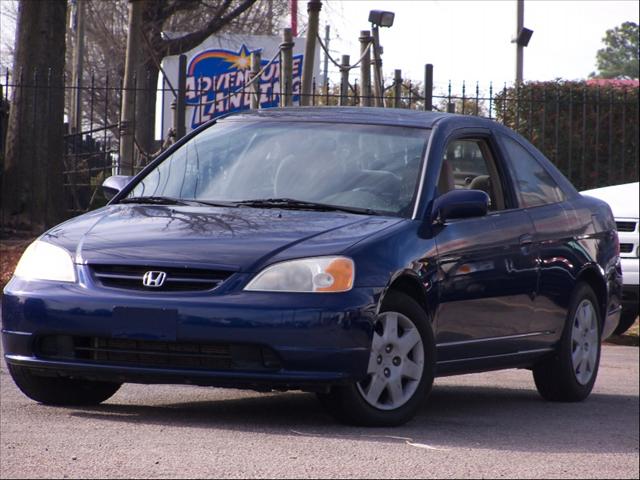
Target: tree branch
168, 9
176, 46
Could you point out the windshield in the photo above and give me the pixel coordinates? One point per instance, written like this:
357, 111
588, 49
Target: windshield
347, 165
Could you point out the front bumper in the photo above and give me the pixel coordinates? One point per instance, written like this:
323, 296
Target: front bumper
317, 339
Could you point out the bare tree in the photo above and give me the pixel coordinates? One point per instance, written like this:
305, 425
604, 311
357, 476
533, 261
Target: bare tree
103, 59
32, 173
144, 55
105, 45
8, 18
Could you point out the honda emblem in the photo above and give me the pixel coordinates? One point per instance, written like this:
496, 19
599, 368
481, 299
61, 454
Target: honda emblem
154, 279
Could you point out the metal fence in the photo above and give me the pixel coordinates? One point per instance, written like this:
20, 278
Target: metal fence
589, 131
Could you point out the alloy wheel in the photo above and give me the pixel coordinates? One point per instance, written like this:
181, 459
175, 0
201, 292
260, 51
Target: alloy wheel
584, 342
396, 362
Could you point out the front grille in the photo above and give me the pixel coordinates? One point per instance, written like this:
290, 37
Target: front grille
144, 353
626, 226
177, 279
626, 247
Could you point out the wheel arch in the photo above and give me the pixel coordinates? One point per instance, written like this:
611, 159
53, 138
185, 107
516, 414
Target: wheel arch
592, 276
408, 283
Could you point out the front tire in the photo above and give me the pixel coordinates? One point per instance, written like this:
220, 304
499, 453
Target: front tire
399, 373
60, 390
569, 376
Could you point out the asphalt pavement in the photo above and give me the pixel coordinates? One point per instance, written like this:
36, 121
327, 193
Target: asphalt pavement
483, 425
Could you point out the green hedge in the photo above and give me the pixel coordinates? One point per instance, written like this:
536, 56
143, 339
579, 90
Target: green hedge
588, 129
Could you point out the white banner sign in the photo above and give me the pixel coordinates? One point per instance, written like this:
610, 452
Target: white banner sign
217, 71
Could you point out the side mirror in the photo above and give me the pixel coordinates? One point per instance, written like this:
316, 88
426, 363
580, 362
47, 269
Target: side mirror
460, 204
112, 185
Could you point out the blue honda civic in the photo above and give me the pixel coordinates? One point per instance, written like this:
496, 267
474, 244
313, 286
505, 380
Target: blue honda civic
356, 253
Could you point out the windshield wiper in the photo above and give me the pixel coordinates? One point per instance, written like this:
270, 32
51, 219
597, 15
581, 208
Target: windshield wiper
290, 203
213, 203
155, 200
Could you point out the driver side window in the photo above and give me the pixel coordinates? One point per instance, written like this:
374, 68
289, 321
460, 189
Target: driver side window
468, 164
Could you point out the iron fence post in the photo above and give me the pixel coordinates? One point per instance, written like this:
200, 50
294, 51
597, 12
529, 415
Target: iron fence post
610, 142
596, 162
623, 130
464, 87
570, 146
556, 148
490, 100
543, 127
583, 148
530, 115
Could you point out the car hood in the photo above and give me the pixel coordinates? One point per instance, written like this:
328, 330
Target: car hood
237, 239
623, 199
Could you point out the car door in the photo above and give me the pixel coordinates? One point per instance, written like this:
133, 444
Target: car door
553, 237
486, 268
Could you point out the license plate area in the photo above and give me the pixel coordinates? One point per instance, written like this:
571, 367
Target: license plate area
145, 323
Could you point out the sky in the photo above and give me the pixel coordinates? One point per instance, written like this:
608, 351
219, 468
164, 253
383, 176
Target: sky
467, 40
471, 40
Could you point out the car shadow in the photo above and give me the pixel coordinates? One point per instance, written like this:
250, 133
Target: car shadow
454, 417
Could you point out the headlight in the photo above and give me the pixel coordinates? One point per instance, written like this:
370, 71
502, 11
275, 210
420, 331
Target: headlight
319, 274
43, 261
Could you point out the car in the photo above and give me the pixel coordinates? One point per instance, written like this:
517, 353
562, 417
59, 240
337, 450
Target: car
623, 200
352, 252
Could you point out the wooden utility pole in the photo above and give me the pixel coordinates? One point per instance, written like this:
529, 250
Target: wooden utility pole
256, 66
378, 101
325, 68
293, 4
344, 80
519, 46
286, 68
397, 88
313, 8
365, 68
131, 66
428, 87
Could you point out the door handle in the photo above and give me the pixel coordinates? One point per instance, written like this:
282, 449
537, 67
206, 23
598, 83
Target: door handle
526, 239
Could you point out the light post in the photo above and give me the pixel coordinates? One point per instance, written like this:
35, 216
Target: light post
378, 18
523, 35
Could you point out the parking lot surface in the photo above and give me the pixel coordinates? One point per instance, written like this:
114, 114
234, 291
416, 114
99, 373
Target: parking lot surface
484, 425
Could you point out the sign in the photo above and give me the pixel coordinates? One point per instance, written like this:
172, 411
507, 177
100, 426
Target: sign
218, 71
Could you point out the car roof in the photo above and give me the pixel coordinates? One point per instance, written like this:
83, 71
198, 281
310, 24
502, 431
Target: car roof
365, 115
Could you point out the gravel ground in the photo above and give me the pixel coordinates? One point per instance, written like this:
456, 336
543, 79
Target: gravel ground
483, 425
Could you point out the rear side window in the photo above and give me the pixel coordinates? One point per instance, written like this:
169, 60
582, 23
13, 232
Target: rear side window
534, 185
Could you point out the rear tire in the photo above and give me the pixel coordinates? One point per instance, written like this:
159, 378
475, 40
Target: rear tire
60, 390
570, 374
627, 318
400, 371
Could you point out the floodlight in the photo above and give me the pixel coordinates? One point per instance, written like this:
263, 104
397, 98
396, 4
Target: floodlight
523, 37
381, 18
